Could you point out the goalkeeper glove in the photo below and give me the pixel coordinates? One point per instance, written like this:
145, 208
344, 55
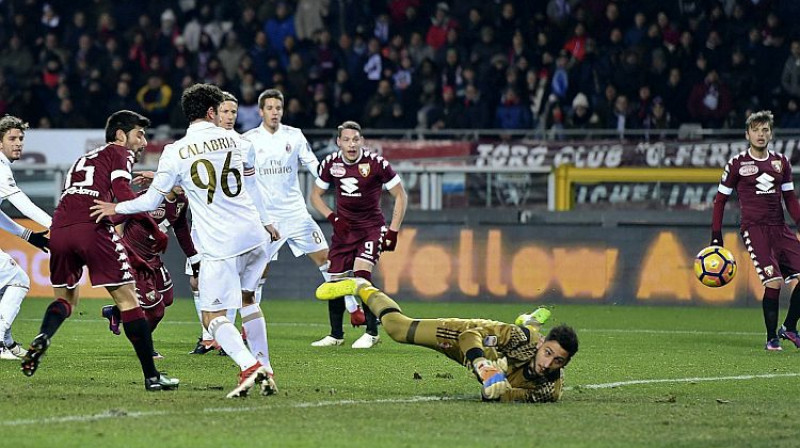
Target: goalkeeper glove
716, 238
493, 379
389, 241
37, 239
340, 225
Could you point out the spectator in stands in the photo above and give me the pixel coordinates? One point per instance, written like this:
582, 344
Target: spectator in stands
280, 26
790, 78
17, 59
121, 99
476, 112
581, 115
66, 118
576, 45
309, 17
246, 27
710, 101
620, 118
658, 118
441, 22
448, 113
790, 118
230, 54
378, 111
154, 99
512, 114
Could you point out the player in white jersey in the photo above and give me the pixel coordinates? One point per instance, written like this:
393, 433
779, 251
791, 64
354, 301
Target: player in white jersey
14, 282
280, 150
215, 168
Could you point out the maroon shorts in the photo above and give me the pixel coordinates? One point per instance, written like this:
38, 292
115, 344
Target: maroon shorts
358, 243
95, 246
775, 251
146, 290
163, 284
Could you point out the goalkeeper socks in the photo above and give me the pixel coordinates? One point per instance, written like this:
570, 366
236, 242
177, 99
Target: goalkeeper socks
335, 315
137, 330
206, 335
230, 340
259, 289
372, 320
9, 308
793, 315
380, 304
255, 326
57, 312
770, 305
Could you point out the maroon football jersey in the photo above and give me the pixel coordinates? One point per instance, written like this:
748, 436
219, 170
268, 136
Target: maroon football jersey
759, 185
358, 186
92, 177
168, 214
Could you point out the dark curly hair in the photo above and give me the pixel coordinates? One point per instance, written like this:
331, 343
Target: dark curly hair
197, 99
124, 120
10, 122
566, 338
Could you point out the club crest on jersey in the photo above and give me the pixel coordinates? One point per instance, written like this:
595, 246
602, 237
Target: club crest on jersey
363, 168
158, 213
777, 165
288, 148
490, 341
337, 170
769, 270
748, 170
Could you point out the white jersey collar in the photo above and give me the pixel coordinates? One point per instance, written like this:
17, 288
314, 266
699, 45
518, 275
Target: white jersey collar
200, 126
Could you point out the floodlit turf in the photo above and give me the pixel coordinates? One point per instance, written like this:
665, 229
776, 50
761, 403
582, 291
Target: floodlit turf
726, 391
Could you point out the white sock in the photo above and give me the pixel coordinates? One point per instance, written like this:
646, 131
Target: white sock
255, 326
231, 315
259, 288
9, 308
230, 340
206, 335
349, 301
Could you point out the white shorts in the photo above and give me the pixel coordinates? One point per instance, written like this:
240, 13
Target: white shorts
303, 235
11, 274
221, 282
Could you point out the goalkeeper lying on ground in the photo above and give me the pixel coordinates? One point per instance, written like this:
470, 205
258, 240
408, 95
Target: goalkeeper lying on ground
533, 370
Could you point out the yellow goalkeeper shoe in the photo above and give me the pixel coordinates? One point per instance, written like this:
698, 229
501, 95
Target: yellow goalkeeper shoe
340, 288
536, 318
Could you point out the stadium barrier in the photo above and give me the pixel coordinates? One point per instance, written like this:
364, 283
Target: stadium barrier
541, 263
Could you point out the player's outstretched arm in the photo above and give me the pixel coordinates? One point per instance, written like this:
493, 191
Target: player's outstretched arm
144, 203
398, 214
23, 203
36, 239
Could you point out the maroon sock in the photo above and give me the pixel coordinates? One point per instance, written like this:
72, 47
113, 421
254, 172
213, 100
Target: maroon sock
57, 312
138, 332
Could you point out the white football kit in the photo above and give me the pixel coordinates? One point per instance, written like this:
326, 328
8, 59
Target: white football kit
278, 159
212, 165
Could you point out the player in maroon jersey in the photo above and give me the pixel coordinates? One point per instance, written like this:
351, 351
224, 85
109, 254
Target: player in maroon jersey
77, 241
762, 180
359, 229
154, 289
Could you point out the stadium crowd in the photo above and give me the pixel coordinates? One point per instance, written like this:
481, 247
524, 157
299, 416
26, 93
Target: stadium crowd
550, 64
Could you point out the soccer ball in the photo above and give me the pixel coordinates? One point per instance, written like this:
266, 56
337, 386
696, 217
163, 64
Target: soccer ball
715, 266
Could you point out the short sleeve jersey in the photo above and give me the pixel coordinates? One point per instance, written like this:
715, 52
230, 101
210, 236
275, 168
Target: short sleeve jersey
138, 236
8, 185
278, 158
90, 179
209, 164
358, 186
759, 183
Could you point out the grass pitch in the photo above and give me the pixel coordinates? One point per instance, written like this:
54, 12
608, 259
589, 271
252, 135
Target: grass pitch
644, 376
